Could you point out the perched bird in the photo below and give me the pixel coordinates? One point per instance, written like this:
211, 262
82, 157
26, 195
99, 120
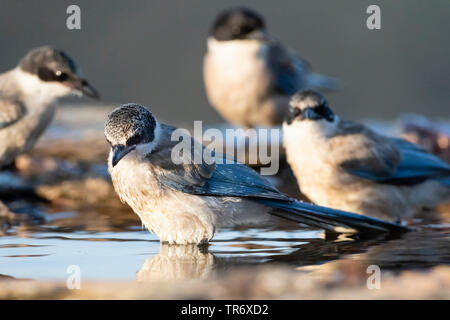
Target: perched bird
345, 165
249, 76
27, 96
183, 199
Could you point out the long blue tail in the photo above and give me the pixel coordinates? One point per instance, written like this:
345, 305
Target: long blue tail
326, 218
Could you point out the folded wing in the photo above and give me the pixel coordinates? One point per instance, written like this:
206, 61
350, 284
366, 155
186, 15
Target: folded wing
10, 111
291, 73
393, 161
238, 180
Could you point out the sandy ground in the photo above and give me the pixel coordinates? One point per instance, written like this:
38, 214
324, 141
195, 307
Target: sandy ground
338, 280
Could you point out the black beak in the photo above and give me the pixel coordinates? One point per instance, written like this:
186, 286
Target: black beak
84, 86
120, 151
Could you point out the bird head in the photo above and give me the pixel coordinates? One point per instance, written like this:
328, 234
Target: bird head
308, 105
56, 73
238, 24
131, 127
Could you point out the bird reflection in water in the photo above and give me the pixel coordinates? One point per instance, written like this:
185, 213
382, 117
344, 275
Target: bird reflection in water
186, 262
177, 262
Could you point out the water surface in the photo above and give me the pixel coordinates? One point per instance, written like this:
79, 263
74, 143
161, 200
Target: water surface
45, 252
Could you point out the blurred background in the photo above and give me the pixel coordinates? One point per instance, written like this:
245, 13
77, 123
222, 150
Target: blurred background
66, 211
151, 52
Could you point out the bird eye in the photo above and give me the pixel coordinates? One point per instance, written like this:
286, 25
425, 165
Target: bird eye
46, 74
134, 140
60, 76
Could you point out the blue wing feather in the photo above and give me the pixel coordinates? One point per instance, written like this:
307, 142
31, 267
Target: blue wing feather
416, 166
291, 73
232, 180
288, 72
238, 180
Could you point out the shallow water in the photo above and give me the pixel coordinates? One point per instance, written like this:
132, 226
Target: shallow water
45, 252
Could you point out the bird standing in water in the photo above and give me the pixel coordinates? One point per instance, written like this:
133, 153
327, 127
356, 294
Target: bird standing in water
183, 200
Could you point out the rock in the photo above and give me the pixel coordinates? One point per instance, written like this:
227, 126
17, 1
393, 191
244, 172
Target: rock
87, 150
431, 135
6, 218
22, 214
89, 190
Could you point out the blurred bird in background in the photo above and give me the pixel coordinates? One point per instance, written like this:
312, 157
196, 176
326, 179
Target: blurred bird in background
345, 165
249, 76
27, 96
184, 203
